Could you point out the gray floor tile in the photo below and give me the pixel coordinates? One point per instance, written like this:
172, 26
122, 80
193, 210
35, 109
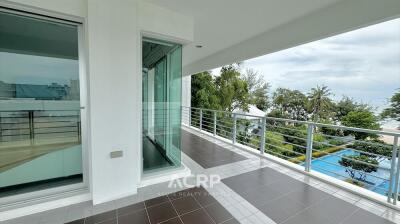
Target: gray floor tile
330, 211
281, 209
364, 217
308, 195
206, 153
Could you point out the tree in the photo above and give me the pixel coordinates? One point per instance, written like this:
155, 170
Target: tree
279, 100
347, 105
289, 104
203, 91
359, 164
260, 97
394, 110
232, 91
361, 119
258, 89
374, 148
319, 102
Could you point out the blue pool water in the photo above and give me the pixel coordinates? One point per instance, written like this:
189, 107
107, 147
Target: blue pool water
329, 165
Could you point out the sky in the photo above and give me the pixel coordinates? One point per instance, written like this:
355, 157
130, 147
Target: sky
37, 70
363, 64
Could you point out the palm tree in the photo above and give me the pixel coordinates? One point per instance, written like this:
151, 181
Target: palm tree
319, 101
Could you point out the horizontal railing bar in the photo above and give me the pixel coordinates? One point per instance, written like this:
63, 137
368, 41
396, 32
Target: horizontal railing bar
247, 144
360, 171
290, 129
312, 123
14, 135
49, 133
26, 117
319, 167
37, 110
356, 150
289, 136
13, 129
224, 136
287, 150
220, 125
14, 122
57, 127
333, 154
356, 140
276, 153
285, 142
49, 122
72, 116
338, 165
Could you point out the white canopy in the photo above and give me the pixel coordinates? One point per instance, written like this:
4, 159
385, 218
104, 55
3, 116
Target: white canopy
253, 110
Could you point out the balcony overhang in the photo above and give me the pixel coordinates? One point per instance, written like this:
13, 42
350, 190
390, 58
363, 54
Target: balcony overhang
231, 31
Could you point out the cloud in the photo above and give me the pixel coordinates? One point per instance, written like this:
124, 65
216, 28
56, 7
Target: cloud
37, 69
363, 64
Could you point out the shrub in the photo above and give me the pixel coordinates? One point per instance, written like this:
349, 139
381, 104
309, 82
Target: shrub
336, 142
373, 146
359, 164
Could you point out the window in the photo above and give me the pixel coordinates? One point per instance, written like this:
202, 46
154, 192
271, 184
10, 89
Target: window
40, 118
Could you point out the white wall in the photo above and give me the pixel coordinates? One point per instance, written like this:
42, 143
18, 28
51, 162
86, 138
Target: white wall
114, 68
155, 20
115, 97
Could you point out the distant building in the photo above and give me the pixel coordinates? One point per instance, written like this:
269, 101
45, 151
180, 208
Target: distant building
54, 91
7, 90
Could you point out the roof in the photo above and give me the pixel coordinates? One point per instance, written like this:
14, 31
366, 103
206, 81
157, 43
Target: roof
253, 110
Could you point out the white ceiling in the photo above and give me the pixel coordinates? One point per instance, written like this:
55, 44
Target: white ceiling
223, 23
236, 30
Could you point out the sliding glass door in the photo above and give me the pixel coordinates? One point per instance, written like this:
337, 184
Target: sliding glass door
162, 62
160, 102
40, 111
174, 105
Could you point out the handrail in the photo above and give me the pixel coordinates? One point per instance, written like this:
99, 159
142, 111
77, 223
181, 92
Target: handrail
38, 125
369, 131
212, 125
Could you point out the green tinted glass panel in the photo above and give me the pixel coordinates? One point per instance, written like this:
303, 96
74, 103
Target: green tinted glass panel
161, 105
174, 104
40, 122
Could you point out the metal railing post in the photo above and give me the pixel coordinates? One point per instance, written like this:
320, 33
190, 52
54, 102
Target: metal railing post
396, 183
392, 168
310, 130
201, 119
190, 116
215, 123
79, 131
262, 139
234, 129
31, 127
1, 130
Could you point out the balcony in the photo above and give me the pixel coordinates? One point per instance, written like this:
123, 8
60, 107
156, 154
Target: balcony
258, 184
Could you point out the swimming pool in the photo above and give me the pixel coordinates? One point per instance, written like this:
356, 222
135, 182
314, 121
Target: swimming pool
375, 181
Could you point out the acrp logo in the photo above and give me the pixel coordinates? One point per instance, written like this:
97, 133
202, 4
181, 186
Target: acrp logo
204, 180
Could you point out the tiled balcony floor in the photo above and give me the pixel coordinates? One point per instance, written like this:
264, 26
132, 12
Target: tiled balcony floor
253, 190
191, 206
206, 153
289, 201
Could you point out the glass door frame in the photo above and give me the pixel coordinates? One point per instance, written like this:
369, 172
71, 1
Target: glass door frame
35, 197
145, 36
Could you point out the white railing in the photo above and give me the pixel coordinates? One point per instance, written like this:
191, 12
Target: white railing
315, 146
